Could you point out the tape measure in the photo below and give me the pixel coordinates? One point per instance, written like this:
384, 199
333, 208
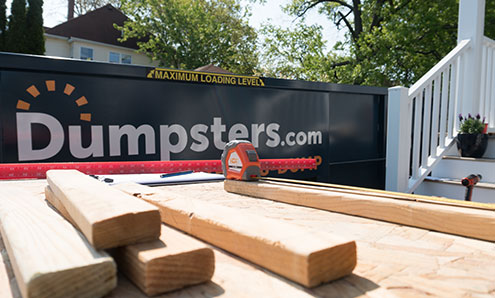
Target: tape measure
240, 161
38, 170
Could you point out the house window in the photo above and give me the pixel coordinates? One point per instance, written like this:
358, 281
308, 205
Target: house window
120, 58
114, 57
86, 53
126, 59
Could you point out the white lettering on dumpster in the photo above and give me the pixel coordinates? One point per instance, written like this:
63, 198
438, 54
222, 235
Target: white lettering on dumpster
172, 138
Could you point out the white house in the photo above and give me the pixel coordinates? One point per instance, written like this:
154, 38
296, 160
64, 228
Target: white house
93, 37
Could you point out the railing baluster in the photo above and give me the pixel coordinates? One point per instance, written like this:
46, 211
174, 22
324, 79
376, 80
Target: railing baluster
487, 84
417, 131
490, 107
443, 106
426, 127
435, 117
452, 99
460, 91
484, 85
484, 104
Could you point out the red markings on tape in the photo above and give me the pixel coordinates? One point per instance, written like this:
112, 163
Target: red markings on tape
38, 170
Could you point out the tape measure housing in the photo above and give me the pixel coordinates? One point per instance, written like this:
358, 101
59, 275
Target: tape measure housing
240, 161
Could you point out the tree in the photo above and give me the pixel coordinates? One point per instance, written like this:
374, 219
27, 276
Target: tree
16, 33
35, 41
387, 42
490, 19
83, 6
3, 24
294, 54
187, 34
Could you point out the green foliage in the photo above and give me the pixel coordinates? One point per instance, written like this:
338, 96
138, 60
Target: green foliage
409, 41
188, 34
294, 54
35, 40
25, 32
386, 43
490, 19
471, 125
3, 24
16, 33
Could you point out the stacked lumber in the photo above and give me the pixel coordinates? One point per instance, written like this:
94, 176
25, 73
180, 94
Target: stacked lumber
443, 215
50, 258
305, 256
394, 260
156, 258
169, 263
107, 217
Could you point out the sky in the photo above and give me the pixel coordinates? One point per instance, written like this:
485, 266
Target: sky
272, 13
55, 12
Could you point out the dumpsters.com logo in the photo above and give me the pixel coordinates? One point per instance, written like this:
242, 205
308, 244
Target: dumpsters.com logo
26, 120
172, 139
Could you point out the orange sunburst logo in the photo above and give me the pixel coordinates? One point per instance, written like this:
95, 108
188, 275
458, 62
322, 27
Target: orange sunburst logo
50, 86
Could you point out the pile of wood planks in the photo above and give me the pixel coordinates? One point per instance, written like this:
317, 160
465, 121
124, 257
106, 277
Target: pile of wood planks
49, 257
309, 258
52, 258
110, 229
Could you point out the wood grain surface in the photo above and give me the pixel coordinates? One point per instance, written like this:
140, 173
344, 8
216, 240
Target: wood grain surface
405, 261
172, 262
107, 217
393, 260
307, 257
49, 256
465, 221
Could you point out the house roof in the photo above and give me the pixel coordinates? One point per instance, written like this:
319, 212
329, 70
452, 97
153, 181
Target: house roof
212, 68
96, 25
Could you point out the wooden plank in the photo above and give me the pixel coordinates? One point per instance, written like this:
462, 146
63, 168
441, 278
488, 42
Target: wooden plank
391, 256
385, 193
457, 220
172, 262
107, 217
57, 205
49, 257
308, 257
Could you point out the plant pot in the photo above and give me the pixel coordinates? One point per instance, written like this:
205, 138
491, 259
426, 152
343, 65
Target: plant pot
472, 145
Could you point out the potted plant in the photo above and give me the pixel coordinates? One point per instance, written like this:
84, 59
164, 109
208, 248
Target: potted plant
472, 139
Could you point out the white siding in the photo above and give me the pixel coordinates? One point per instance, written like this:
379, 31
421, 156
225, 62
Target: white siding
57, 47
71, 48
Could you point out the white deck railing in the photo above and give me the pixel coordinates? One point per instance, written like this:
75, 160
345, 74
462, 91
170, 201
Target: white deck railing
487, 84
422, 121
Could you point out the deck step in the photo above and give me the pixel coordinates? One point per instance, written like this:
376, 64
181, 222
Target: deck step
490, 149
455, 167
483, 192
